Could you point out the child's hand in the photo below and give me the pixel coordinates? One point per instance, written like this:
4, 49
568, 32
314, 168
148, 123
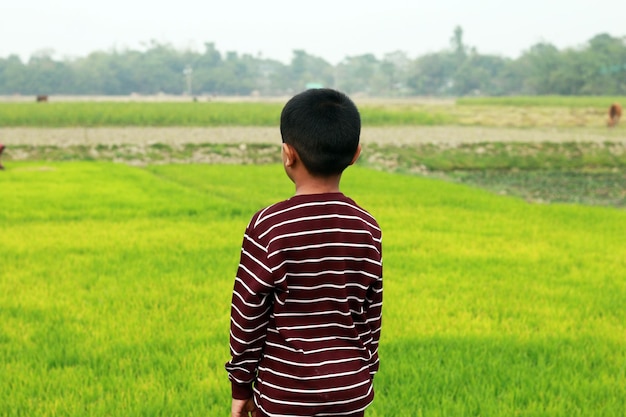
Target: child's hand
243, 408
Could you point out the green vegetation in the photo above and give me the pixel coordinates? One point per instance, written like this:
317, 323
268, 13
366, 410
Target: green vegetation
595, 68
139, 114
582, 173
63, 114
569, 172
597, 187
568, 156
399, 115
543, 101
526, 112
115, 290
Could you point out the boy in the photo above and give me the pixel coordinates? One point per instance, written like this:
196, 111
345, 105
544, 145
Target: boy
307, 301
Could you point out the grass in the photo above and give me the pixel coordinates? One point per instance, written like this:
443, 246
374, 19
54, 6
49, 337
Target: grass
500, 155
524, 112
138, 114
542, 101
567, 172
598, 187
535, 111
91, 114
115, 290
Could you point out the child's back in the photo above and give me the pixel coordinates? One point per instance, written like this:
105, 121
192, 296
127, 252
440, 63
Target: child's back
317, 259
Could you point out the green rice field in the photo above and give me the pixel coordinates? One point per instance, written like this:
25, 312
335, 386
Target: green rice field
115, 285
63, 114
478, 111
542, 101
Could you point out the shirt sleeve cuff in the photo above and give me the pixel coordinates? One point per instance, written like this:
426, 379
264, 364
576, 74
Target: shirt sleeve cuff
242, 391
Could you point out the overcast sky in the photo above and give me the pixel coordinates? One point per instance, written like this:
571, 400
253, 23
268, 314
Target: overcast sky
330, 29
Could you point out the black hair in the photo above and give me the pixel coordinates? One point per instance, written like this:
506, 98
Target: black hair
323, 126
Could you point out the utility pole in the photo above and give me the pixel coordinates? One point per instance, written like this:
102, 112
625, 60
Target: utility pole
187, 72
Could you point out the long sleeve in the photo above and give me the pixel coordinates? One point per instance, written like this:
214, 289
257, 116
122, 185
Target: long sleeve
250, 311
374, 320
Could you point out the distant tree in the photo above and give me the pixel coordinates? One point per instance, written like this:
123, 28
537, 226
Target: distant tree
509, 81
234, 75
458, 47
478, 75
433, 74
597, 67
96, 74
355, 73
160, 70
44, 75
205, 67
390, 78
605, 66
272, 77
540, 65
306, 68
12, 75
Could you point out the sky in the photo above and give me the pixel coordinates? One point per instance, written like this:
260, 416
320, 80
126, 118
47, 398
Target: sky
329, 29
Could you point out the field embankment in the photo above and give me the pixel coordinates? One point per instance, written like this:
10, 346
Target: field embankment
572, 165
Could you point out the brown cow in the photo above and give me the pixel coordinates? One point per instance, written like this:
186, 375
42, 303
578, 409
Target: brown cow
1, 150
615, 112
42, 99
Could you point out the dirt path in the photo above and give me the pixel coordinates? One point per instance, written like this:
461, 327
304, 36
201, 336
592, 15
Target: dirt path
230, 135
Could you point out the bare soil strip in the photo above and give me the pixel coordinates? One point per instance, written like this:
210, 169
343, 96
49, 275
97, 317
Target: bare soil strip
268, 135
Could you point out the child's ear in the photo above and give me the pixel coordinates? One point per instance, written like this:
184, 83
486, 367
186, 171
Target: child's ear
289, 155
356, 154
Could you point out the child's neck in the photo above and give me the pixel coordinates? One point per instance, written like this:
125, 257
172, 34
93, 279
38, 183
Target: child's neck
317, 185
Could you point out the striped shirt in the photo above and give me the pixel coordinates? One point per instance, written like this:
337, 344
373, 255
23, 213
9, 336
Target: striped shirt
306, 308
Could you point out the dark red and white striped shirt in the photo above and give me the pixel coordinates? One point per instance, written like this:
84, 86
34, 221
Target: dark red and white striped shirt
306, 308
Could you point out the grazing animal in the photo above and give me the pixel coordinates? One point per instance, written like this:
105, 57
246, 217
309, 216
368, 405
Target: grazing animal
42, 99
615, 112
1, 150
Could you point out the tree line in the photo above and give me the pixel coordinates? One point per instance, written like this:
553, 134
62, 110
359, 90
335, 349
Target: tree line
596, 68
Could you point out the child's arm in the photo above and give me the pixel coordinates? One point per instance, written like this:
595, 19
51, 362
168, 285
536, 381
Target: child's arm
250, 311
374, 318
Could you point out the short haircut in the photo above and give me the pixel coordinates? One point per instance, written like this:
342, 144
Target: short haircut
323, 126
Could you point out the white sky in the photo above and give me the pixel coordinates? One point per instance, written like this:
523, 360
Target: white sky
330, 29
